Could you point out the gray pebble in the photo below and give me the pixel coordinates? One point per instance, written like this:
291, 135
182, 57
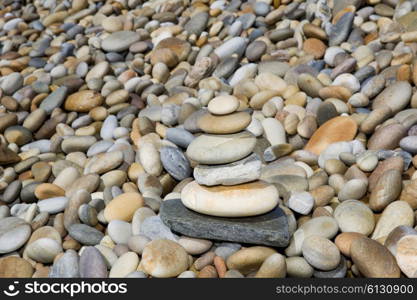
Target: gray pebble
92, 264
85, 234
175, 162
66, 266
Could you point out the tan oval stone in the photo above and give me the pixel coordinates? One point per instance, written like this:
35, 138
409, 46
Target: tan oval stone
48, 190
397, 96
273, 267
226, 124
395, 162
335, 130
387, 189
249, 259
270, 81
194, 246
395, 214
123, 207
373, 260
387, 137
344, 240
116, 97
83, 101
124, 265
180, 47
260, 98
164, 259
164, 55
112, 24
315, 47
335, 91
15, 267
104, 162
409, 194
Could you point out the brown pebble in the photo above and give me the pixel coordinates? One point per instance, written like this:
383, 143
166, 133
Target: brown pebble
208, 272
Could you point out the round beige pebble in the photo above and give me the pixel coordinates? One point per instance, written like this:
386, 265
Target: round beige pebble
354, 216
164, 259
298, 267
273, 267
123, 207
249, 259
124, 265
194, 246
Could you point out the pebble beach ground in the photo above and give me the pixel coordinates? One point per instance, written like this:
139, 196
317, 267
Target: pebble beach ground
209, 139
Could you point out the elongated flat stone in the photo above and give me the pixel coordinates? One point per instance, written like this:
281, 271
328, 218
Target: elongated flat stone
269, 229
340, 31
241, 171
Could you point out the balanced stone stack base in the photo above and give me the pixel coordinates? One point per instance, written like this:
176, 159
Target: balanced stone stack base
270, 229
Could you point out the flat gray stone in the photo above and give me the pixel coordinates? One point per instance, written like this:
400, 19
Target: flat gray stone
85, 234
409, 144
179, 137
14, 232
12, 191
54, 100
325, 112
197, 23
155, 229
11, 83
241, 171
226, 67
340, 31
119, 41
270, 229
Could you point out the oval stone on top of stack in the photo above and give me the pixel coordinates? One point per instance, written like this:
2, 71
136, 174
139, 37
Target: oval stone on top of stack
223, 105
244, 200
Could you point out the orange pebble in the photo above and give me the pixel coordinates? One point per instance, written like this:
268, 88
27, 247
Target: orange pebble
220, 265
